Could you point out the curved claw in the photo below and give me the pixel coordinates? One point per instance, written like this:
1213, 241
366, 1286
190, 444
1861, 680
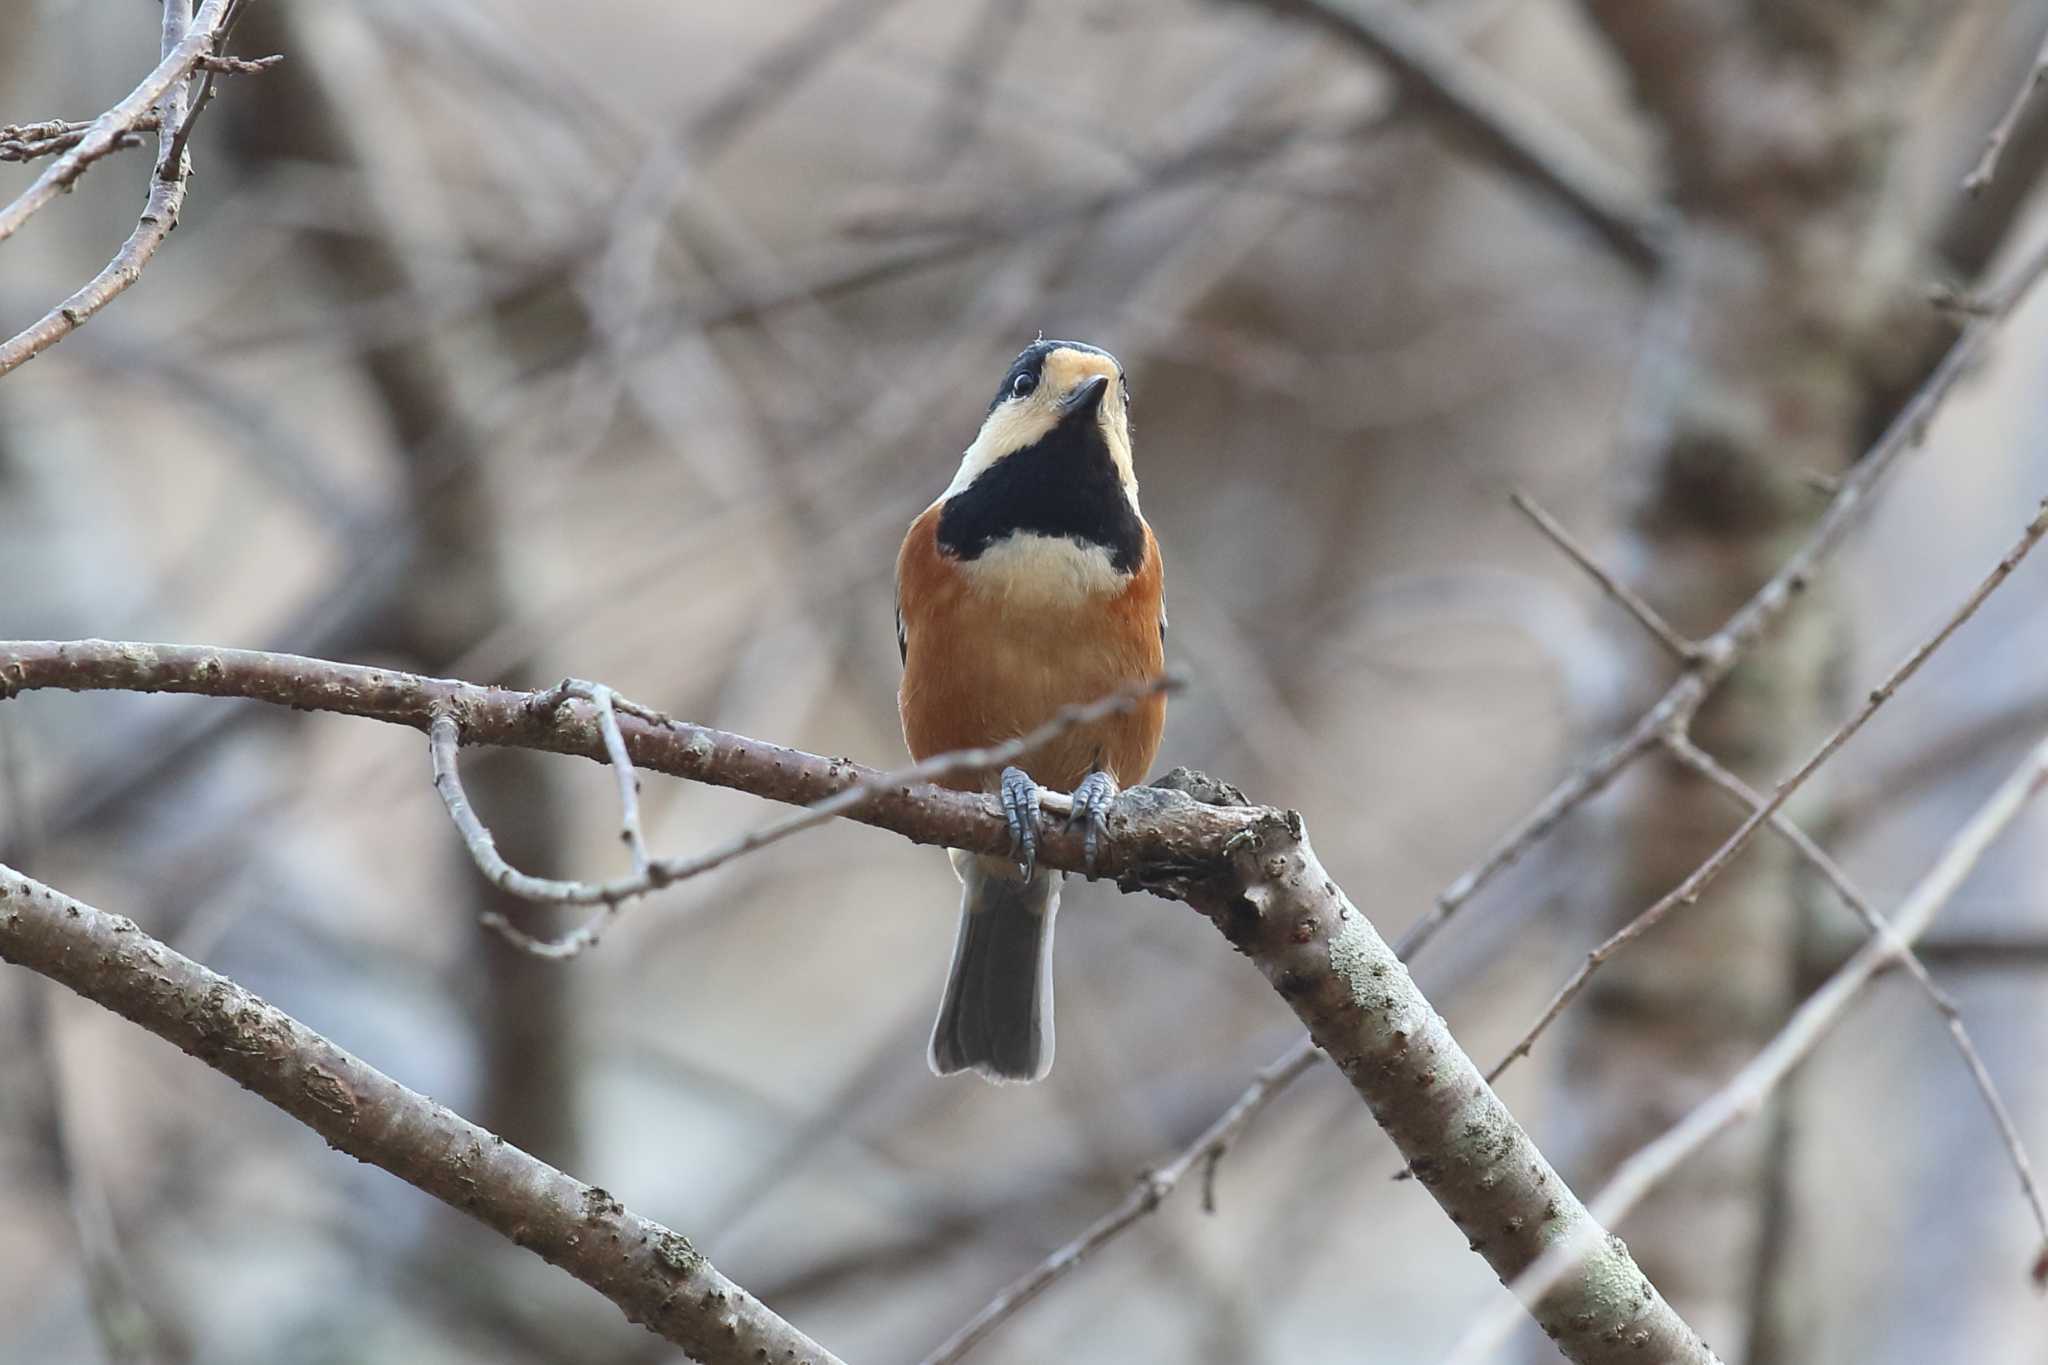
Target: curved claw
1092, 800
1020, 810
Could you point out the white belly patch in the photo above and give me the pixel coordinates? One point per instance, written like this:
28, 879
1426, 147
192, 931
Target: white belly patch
1034, 570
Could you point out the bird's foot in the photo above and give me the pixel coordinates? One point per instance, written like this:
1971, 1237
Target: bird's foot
1020, 811
1092, 800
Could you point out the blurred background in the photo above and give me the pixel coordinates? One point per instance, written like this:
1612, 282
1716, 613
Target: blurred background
509, 340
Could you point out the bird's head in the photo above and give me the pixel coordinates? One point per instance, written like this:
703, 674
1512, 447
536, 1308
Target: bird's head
1058, 396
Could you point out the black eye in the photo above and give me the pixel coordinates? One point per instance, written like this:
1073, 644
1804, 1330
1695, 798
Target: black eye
1125, 385
1023, 384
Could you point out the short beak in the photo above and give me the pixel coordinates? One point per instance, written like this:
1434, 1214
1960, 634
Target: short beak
1087, 396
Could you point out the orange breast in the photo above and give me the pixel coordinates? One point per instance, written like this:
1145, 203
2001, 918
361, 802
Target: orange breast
982, 665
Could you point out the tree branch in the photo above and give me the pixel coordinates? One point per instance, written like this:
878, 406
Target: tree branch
1249, 869
165, 95
107, 130
654, 1275
652, 874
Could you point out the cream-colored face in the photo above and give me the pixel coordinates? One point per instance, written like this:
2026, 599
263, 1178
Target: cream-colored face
1022, 421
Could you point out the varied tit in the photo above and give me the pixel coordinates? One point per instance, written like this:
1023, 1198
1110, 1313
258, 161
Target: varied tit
1031, 584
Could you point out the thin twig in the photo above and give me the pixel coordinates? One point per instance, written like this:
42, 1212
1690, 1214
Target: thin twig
603, 701
1581, 785
27, 141
1151, 1190
239, 66
1688, 891
1744, 1094
1707, 766
109, 127
1980, 176
1646, 616
165, 90
444, 737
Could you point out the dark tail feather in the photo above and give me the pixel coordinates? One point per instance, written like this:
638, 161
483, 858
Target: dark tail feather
996, 1017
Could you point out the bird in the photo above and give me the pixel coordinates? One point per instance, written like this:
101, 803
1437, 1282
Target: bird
1031, 584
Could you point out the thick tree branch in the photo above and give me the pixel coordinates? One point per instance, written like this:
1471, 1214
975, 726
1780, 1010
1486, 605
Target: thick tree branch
1249, 869
654, 1275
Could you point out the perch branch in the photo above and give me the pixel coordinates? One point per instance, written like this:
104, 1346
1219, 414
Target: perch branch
1249, 869
651, 875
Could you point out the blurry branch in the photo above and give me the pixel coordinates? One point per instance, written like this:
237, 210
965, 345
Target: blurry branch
1485, 111
1703, 763
1987, 952
650, 875
129, 1329
1744, 1094
1152, 1189
189, 42
952, 237
1227, 151
654, 1275
1714, 657
1938, 758
1249, 869
1579, 786
1688, 891
964, 107
1981, 174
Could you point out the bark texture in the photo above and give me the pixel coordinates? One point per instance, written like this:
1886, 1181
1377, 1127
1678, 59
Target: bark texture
650, 1272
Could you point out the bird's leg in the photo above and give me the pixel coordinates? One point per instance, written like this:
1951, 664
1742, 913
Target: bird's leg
1092, 800
1020, 811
